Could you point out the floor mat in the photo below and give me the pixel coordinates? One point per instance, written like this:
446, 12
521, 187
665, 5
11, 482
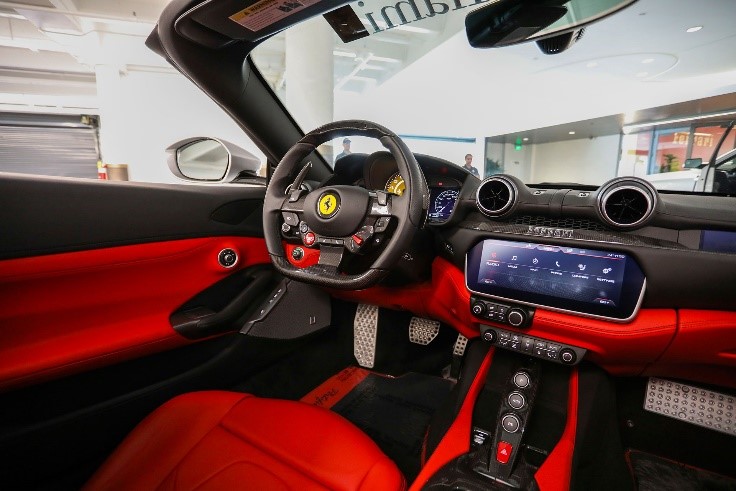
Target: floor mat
394, 412
654, 473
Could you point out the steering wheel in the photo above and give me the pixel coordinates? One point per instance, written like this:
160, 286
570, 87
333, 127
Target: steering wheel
343, 219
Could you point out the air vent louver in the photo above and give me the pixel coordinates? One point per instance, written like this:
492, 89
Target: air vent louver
626, 206
495, 196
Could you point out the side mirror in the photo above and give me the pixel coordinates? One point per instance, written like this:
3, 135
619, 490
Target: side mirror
210, 160
693, 163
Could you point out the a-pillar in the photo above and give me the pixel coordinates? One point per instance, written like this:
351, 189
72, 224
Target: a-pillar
309, 75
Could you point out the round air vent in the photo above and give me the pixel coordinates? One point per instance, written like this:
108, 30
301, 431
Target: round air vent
626, 204
495, 196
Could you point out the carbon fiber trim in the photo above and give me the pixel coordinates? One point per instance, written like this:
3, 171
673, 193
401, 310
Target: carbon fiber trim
608, 237
328, 276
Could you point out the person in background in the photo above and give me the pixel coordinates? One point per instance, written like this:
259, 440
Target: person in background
345, 149
468, 165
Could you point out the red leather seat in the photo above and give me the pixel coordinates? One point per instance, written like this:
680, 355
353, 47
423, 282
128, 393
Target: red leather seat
226, 440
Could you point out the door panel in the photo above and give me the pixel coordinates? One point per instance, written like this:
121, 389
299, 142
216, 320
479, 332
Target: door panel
65, 313
90, 274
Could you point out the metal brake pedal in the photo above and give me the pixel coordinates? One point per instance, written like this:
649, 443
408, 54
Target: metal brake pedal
365, 329
691, 404
423, 331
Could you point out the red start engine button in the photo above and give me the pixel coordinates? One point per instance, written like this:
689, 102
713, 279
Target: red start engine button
309, 238
503, 452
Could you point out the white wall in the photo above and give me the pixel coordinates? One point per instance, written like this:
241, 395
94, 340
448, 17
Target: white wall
583, 161
150, 112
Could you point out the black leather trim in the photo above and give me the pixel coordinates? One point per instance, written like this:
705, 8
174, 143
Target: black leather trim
45, 215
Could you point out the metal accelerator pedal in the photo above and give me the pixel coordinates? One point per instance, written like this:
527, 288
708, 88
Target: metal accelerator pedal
365, 329
691, 404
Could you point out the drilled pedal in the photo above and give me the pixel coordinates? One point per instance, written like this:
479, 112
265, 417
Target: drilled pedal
423, 331
692, 404
460, 344
365, 329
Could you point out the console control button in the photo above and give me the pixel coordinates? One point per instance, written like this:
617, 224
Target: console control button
503, 452
309, 239
516, 317
568, 356
291, 218
490, 336
511, 423
297, 254
303, 227
478, 309
527, 344
516, 400
521, 380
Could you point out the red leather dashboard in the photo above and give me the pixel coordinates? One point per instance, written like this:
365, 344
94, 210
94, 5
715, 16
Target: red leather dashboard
665, 342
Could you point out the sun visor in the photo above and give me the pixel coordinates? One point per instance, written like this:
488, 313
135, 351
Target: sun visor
255, 20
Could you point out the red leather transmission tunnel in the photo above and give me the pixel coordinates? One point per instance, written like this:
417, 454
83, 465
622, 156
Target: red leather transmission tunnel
226, 441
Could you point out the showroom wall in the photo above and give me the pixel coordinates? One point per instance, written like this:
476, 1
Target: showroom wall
148, 112
583, 161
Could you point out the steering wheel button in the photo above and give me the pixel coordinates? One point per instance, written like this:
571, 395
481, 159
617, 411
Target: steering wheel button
291, 218
382, 224
303, 227
309, 239
358, 240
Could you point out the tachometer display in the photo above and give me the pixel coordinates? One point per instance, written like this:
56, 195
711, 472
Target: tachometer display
442, 202
396, 185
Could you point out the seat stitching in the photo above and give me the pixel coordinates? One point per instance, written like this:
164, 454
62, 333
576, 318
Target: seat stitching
304, 471
232, 464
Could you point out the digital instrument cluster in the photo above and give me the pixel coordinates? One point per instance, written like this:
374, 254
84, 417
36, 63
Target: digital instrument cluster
442, 197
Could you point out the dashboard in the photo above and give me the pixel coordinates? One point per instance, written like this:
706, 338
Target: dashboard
565, 270
669, 250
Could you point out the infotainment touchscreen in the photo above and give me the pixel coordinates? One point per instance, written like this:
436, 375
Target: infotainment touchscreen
587, 281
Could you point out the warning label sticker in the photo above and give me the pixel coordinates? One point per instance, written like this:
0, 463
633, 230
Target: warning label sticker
266, 12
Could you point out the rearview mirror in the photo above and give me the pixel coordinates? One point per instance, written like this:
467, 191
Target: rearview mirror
211, 160
509, 22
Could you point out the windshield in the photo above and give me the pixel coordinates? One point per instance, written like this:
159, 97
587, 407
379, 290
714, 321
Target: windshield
641, 93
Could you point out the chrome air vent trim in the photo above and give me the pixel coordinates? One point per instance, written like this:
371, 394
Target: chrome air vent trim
626, 203
495, 196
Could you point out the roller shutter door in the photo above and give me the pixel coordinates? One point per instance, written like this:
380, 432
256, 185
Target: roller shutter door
48, 145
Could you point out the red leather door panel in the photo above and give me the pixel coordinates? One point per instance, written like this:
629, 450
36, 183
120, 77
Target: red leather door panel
65, 313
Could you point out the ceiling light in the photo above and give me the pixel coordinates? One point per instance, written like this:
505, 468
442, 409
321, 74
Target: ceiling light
526, 139
570, 132
647, 60
592, 64
384, 59
694, 29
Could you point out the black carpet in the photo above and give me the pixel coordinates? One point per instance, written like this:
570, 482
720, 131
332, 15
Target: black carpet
395, 413
654, 473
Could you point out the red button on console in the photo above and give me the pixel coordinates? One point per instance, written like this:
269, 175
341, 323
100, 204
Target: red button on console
503, 453
309, 238
358, 240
